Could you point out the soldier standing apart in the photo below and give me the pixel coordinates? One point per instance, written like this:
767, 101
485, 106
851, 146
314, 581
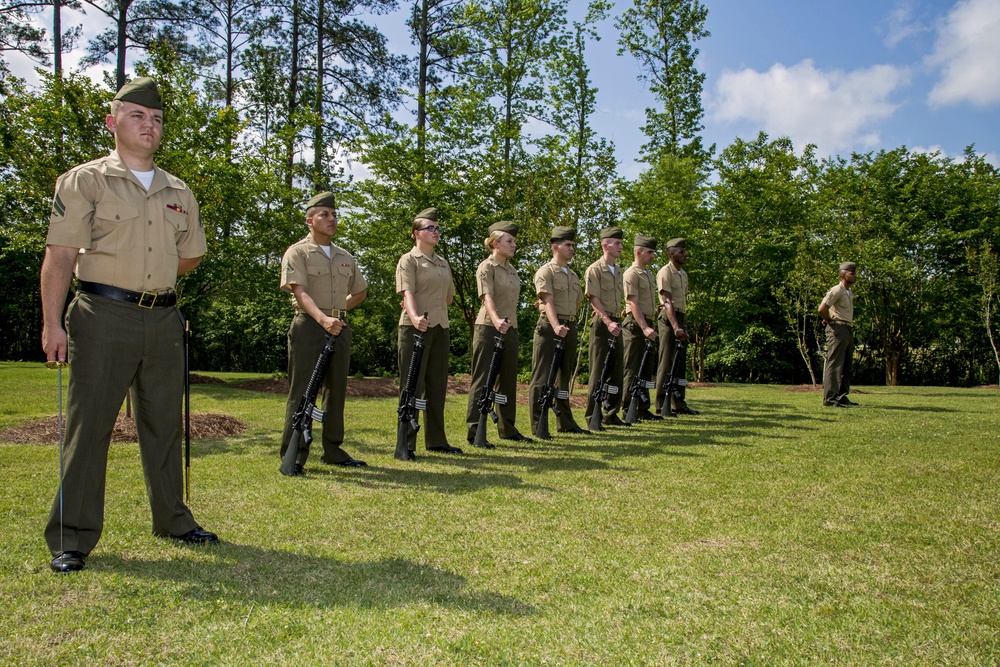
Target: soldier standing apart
640, 302
499, 289
128, 229
424, 281
325, 283
837, 311
603, 284
559, 296
672, 281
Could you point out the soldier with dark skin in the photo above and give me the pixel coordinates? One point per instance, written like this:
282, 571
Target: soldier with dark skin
640, 303
672, 282
603, 287
423, 279
325, 283
837, 311
499, 288
559, 297
127, 229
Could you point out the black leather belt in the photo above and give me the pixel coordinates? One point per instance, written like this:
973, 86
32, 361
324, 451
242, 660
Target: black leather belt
141, 299
566, 318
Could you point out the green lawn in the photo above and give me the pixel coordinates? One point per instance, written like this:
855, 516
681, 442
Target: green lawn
766, 531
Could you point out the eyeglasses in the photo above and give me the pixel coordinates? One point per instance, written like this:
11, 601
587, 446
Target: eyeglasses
432, 229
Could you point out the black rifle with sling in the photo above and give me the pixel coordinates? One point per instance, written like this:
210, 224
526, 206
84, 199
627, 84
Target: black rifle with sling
674, 385
307, 411
488, 397
408, 401
639, 386
549, 393
603, 389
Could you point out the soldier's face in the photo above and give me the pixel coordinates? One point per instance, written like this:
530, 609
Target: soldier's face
565, 250
850, 277
506, 245
136, 128
613, 247
679, 256
323, 221
645, 256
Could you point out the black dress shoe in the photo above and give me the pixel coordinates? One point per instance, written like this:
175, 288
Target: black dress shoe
847, 401
649, 416
688, 411
351, 463
575, 429
484, 446
445, 449
613, 420
197, 535
298, 470
408, 456
68, 561
520, 437
834, 405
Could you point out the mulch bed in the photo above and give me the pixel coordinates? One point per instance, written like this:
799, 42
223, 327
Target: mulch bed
812, 388
210, 425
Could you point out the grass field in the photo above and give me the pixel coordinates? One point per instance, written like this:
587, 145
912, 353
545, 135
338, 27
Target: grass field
766, 531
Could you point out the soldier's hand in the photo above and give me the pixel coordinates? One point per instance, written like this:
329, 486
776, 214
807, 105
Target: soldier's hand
333, 325
681, 334
649, 333
562, 331
504, 326
54, 342
422, 323
614, 329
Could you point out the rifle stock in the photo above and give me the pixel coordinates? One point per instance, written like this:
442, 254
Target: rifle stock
488, 396
672, 387
408, 402
307, 411
639, 386
603, 389
549, 392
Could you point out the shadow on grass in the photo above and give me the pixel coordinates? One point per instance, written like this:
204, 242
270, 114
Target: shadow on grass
246, 573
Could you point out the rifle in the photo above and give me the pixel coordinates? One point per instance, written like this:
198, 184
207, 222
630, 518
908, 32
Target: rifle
408, 402
638, 387
549, 393
672, 387
603, 388
488, 397
307, 411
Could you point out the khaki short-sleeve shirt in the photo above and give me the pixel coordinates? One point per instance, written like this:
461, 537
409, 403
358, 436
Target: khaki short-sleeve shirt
638, 283
674, 280
428, 278
327, 280
563, 285
841, 304
129, 237
502, 283
606, 286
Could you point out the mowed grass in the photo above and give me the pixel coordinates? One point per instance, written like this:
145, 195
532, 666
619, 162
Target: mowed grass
766, 531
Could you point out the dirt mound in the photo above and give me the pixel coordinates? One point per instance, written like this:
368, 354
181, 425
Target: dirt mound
356, 387
210, 425
988, 386
204, 379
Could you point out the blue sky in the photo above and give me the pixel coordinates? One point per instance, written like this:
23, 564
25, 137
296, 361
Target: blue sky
847, 75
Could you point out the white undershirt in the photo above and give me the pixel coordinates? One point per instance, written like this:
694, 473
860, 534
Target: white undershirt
326, 250
145, 177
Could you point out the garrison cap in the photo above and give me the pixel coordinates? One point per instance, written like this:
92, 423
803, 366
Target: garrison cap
428, 214
142, 92
504, 226
560, 234
612, 233
676, 243
848, 266
643, 241
322, 199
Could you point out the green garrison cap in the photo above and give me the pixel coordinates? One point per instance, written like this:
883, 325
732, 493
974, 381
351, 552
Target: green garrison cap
643, 241
612, 233
560, 234
428, 214
142, 92
676, 243
848, 266
322, 199
504, 226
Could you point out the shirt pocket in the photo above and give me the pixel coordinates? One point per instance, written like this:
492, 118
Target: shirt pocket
115, 225
176, 225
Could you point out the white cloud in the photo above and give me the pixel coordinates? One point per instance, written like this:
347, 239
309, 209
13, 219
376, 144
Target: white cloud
900, 24
967, 52
833, 109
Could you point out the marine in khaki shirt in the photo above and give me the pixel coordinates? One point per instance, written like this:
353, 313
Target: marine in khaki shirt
672, 282
559, 296
837, 311
640, 302
603, 286
428, 277
325, 283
